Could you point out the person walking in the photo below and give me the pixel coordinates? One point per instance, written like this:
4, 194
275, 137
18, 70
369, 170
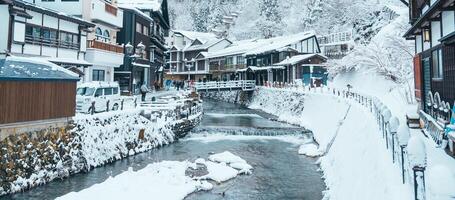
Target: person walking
144, 91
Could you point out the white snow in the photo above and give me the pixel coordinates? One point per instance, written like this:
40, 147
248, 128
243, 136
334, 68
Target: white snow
310, 150
416, 152
162, 180
441, 183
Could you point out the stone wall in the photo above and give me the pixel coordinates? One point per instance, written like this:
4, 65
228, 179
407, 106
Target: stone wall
36, 157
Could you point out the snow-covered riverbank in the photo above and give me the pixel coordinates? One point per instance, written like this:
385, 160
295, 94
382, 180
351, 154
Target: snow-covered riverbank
357, 165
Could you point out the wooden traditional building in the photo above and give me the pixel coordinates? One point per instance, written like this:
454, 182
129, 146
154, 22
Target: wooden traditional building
310, 68
159, 29
433, 29
103, 51
33, 90
135, 70
35, 31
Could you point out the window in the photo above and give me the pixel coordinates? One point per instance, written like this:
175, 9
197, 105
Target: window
99, 92
437, 64
115, 90
106, 34
98, 32
98, 75
36, 32
145, 30
138, 28
240, 60
46, 34
107, 91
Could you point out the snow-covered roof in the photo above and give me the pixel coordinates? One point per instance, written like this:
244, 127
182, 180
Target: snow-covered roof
192, 35
254, 68
205, 45
238, 47
258, 46
299, 58
135, 9
154, 5
277, 43
20, 68
61, 15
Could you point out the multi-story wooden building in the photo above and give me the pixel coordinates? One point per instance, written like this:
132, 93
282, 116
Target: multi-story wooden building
188, 54
135, 69
103, 51
159, 30
256, 59
433, 29
35, 31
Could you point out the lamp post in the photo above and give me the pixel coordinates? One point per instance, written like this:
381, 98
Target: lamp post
131, 57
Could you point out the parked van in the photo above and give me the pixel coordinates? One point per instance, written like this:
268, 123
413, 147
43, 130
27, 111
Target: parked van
103, 94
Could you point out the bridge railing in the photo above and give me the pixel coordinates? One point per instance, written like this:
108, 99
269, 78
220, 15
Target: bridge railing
223, 85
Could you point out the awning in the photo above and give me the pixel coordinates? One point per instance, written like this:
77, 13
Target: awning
76, 70
69, 61
253, 68
140, 65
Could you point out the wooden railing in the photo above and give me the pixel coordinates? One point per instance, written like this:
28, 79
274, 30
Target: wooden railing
110, 9
104, 46
245, 85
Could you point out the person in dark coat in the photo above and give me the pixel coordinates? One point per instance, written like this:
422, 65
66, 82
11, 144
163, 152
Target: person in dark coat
144, 91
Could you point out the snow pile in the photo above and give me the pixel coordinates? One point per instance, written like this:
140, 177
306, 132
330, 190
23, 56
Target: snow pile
163, 180
310, 150
441, 180
234, 161
111, 136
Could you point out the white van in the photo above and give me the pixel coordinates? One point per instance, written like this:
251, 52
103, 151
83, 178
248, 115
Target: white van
100, 93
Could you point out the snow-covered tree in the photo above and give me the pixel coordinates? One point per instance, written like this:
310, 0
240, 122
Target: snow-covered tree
270, 22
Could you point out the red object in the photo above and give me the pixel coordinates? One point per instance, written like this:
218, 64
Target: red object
418, 77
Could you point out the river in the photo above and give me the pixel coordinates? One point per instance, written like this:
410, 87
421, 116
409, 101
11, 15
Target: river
279, 172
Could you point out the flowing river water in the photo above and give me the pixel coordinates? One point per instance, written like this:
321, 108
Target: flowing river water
279, 172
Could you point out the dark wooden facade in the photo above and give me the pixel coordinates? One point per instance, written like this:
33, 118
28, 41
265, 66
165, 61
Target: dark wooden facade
424, 14
32, 100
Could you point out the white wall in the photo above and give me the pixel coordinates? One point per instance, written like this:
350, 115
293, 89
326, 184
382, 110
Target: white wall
69, 26
435, 33
419, 44
49, 51
32, 49
36, 18
448, 22
67, 53
4, 21
50, 22
19, 32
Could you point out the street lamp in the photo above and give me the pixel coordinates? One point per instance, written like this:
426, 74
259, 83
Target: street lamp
129, 48
131, 56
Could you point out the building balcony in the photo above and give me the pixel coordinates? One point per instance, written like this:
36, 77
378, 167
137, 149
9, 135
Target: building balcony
104, 54
105, 12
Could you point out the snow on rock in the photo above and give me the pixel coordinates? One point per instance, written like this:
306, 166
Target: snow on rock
162, 180
234, 161
440, 182
310, 150
226, 157
219, 172
416, 152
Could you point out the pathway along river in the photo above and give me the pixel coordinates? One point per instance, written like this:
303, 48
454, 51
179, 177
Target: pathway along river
279, 172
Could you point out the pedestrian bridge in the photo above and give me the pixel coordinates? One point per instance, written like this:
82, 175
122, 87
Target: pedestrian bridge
244, 85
